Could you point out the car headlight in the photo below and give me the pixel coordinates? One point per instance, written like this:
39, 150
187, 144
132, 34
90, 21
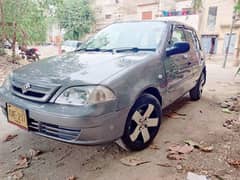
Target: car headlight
82, 95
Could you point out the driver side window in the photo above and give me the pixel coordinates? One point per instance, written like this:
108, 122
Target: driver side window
177, 35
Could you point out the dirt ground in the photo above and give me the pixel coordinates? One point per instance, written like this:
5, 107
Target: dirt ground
200, 121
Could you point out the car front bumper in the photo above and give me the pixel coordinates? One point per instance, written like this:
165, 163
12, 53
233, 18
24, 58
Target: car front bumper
87, 125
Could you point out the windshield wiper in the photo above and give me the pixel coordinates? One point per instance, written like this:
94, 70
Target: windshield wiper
117, 50
133, 49
94, 50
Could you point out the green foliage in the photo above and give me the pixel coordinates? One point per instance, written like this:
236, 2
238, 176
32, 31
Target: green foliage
25, 20
197, 5
76, 18
237, 7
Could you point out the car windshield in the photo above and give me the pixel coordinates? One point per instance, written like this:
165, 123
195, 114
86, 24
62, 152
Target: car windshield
70, 43
140, 35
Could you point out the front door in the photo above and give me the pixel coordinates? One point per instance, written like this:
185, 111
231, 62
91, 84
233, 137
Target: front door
177, 67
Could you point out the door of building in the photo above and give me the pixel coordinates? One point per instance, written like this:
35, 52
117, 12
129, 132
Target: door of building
147, 15
209, 43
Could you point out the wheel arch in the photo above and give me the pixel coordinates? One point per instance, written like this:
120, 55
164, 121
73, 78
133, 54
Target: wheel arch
153, 91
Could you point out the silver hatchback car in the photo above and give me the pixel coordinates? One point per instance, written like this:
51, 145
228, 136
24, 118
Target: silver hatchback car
114, 87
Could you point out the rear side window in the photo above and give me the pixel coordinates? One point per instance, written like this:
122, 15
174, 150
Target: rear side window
199, 47
177, 35
190, 38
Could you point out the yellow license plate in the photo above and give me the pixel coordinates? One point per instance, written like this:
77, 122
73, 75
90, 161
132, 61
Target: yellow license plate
17, 116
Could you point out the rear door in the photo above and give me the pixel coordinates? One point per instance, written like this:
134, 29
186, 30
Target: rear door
195, 56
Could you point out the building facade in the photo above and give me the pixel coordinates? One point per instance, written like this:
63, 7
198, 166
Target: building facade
212, 21
216, 22
110, 11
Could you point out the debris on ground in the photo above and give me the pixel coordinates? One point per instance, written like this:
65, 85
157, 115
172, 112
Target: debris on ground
174, 156
176, 151
206, 148
192, 143
15, 149
200, 146
17, 175
175, 115
22, 163
164, 165
154, 146
226, 110
234, 162
9, 137
180, 149
33, 153
133, 161
231, 104
72, 178
232, 124
179, 168
193, 176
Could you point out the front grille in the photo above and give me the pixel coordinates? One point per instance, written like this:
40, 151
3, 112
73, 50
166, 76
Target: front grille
29, 93
36, 92
53, 130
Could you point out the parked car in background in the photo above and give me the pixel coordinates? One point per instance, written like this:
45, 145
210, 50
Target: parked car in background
114, 87
70, 45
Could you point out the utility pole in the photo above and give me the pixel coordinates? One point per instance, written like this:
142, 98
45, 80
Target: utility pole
229, 40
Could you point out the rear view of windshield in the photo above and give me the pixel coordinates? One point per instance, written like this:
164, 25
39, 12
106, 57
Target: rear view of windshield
145, 35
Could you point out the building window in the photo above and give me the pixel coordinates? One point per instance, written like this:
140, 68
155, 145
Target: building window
212, 16
108, 16
146, 15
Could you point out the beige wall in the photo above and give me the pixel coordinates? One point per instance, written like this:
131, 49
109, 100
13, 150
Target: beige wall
123, 10
223, 21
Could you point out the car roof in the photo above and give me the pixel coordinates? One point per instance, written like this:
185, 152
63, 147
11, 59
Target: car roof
169, 22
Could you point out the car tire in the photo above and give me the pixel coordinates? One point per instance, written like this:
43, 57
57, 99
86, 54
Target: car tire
196, 92
143, 123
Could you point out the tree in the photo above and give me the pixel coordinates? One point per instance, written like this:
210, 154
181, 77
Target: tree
237, 7
196, 5
22, 21
76, 18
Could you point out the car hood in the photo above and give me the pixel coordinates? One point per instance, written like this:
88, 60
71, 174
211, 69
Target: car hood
78, 68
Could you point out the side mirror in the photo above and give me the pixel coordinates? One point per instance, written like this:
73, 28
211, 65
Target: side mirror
178, 48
